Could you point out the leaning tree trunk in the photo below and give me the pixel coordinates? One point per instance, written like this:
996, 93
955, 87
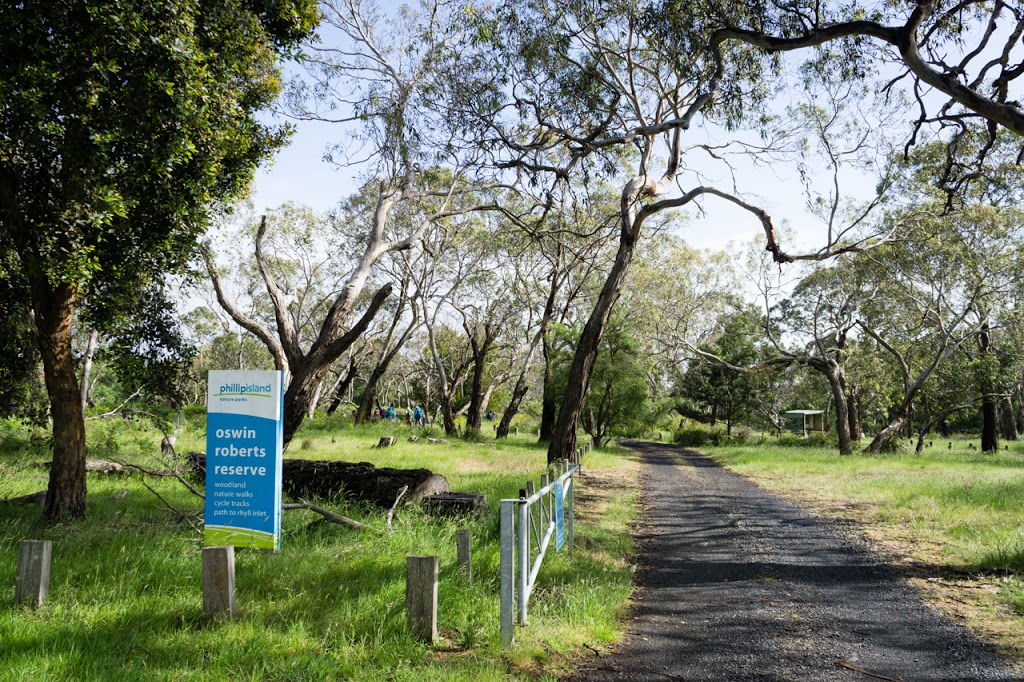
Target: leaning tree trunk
54, 313
367, 400
563, 441
549, 406
886, 435
339, 393
518, 393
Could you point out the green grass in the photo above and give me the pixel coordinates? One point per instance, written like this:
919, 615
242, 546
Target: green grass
125, 596
953, 510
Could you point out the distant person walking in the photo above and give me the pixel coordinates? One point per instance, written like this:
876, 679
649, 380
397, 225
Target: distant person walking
417, 416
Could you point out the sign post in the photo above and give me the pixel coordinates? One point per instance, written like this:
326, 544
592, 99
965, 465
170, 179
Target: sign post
244, 430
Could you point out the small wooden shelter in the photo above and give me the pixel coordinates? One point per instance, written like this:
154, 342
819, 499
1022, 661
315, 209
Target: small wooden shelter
806, 421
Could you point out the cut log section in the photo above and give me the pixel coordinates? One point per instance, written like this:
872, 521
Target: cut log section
455, 504
355, 481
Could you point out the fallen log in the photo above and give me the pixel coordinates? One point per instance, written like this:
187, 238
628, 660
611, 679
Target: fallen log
34, 498
363, 481
96, 466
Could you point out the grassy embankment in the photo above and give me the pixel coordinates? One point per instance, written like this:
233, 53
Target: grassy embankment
953, 519
125, 598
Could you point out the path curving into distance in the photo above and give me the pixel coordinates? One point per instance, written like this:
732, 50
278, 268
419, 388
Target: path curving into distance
737, 584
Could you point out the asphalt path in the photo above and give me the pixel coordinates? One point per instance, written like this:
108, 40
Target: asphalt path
738, 584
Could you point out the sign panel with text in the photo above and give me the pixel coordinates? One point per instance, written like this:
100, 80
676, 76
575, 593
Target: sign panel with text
559, 516
244, 430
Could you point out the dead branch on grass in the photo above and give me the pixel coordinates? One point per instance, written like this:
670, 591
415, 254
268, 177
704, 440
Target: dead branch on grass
328, 515
391, 512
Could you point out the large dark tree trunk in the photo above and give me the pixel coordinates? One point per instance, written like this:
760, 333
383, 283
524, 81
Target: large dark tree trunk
54, 313
300, 393
989, 425
989, 406
474, 417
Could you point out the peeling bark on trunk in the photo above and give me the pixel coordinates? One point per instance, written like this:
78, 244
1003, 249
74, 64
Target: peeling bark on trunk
835, 381
54, 314
853, 405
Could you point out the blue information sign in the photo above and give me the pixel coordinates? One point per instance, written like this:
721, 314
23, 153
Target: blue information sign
244, 411
559, 516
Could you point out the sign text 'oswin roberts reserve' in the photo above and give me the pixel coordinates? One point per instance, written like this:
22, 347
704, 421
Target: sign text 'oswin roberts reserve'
243, 459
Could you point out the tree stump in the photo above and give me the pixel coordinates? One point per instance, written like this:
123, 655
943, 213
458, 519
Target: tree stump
386, 442
455, 504
354, 481
167, 445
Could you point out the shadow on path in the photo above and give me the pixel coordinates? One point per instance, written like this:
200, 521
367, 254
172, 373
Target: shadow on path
738, 584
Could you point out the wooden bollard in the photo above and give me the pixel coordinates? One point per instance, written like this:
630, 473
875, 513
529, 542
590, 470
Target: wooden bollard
421, 597
530, 489
464, 549
219, 582
33, 581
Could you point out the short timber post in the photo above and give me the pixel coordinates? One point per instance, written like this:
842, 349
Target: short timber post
33, 581
421, 597
464, 548
219, 582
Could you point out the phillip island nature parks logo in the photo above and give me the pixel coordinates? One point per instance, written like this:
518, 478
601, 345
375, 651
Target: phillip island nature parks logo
243, 390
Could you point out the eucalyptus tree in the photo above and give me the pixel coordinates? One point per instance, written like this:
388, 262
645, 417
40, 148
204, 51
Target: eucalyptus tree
939, 291
121, 124
569, 93
296, 282
374, 77
960, 58
819, 318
